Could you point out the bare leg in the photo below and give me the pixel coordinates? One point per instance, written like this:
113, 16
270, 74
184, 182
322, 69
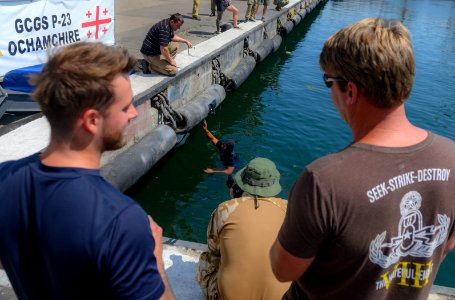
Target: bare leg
256, 11
235, 13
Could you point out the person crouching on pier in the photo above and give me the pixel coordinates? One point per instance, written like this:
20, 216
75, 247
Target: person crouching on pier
161, 44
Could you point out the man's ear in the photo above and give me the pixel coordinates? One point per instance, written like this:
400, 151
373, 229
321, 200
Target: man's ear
90, 120
351, 93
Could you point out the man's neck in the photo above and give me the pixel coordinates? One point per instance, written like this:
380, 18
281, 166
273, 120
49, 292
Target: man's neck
387, 128
66, 155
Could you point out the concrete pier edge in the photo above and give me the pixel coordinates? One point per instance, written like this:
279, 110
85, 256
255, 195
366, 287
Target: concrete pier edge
181, 259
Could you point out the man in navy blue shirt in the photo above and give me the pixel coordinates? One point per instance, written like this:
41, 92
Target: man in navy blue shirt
66, 233
160, 46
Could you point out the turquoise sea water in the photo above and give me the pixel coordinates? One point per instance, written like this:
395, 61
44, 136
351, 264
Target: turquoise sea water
284, 112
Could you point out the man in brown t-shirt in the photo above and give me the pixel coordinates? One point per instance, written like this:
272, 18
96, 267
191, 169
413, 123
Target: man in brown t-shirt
375, 220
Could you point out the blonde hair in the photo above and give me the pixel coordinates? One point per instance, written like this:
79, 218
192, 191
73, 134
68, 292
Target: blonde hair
77, 77
375, 54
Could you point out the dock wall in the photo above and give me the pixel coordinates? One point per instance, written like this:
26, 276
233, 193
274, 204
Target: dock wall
212, 67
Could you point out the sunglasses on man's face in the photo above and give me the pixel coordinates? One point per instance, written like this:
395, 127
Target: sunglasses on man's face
329, 80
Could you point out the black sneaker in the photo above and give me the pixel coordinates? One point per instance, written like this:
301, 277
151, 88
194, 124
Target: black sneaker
144, 65
212, 14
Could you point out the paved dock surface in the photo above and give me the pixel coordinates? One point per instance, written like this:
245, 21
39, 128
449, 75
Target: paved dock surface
135, 17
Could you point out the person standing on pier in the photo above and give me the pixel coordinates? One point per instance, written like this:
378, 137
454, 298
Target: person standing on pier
221, 6
65, 232
239, 236
264, 4
161, 45
212, 8
376, 219
252, 7
196, 10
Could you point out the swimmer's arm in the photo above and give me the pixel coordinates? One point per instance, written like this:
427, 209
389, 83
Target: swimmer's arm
209, 135
226, 171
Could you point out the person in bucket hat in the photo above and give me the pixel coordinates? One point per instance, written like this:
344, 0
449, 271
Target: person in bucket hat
260, 177
250, 223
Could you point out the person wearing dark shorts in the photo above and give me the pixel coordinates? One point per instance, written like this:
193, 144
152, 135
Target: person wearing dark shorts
265, 3
221, 6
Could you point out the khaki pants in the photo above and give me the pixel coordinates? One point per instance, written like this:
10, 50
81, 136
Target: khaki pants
195, 8
160, 65
251, 9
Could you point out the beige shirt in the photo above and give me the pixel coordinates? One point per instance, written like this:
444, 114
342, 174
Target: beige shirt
237, 265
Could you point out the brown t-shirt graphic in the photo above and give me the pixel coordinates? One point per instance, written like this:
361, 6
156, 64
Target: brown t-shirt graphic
376, 219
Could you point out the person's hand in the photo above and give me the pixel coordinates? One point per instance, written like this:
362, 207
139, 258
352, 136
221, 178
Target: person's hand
188, 43
204, 125
157, 233
209, 170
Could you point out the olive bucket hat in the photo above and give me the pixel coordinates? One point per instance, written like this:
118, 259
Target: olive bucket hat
260, 177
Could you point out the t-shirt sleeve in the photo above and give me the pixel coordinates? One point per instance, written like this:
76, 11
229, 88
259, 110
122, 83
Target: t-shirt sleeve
307, 222
164, 37
128, 257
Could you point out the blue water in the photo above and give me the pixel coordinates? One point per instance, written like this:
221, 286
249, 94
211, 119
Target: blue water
284, 112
